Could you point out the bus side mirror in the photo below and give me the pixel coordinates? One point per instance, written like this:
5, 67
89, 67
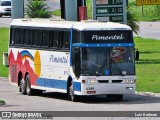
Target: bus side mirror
77, 62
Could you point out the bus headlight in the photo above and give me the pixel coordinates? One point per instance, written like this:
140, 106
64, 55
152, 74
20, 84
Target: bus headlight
90, 81
129, 81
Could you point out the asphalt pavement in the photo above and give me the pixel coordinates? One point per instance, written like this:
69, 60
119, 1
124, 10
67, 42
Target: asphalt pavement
15, 101
150, 30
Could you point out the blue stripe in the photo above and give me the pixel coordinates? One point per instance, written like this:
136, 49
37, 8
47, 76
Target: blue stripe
59, 84
103, 45
77, 86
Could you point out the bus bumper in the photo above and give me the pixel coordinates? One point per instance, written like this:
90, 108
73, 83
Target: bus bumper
104, 89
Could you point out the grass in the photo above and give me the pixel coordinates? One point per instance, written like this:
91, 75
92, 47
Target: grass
4, 32
150, 12
147, 68
2, 102
56, 13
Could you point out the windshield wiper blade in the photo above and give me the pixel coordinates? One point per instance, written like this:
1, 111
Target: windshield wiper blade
104, 63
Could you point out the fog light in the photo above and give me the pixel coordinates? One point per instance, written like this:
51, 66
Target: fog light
129, 88
90, 81
129, 81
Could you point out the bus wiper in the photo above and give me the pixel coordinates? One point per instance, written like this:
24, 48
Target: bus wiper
104, 63
98, 74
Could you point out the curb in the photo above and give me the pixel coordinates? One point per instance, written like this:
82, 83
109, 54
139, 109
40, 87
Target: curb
148, 94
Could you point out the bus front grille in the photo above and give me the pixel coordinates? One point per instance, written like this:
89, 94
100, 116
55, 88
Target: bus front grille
103, 81
117, 81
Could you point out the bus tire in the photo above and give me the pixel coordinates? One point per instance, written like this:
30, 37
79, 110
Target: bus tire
29, 90
71, 94
23, 86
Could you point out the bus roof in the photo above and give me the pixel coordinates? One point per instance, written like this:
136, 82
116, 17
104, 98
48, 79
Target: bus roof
83, 25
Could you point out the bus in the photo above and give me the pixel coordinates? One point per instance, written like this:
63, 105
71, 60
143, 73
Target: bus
77, 58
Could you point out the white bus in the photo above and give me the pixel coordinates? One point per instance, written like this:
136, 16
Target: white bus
78, 58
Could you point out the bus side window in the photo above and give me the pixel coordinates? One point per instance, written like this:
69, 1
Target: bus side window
56, 39
28, 37
18, 36
53, 39
12, 32
37, 37
45, 38
65, 39
51, 36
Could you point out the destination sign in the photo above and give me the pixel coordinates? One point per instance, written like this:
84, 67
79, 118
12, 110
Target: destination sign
109, 10
148, 2
120, 36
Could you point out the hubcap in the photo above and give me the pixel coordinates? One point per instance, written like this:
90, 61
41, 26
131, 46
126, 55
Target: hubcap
22, 84
28, 87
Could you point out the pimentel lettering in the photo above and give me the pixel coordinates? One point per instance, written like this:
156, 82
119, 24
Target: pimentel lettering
59, 59
114, 37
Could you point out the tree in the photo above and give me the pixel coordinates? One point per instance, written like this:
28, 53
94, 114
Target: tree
37, 9
132, 22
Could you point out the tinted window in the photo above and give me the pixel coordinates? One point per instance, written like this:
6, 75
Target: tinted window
56, 39
18, 36
28, 37
12, 36
65, 39
37, 37
45, 38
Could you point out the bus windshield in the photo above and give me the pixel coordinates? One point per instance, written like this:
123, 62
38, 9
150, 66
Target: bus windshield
122, 61
94, 61
107, 61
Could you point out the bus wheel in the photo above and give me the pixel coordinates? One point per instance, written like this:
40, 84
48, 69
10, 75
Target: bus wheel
28, 86
71, 94
23, 86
